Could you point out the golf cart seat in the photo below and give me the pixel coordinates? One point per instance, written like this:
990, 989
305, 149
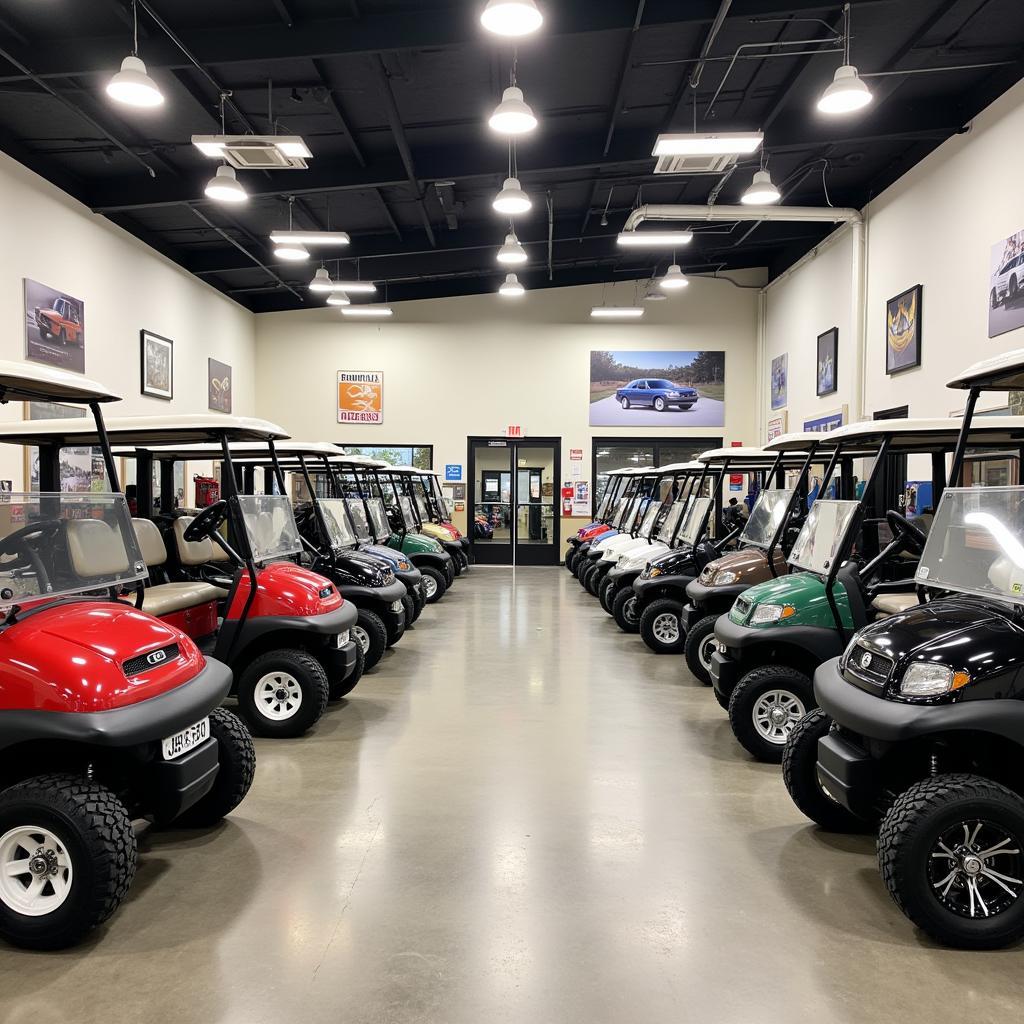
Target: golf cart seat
165, 598
893, 604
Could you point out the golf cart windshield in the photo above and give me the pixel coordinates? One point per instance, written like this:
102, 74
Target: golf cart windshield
650, 517
379, 519
61, 543
822, 535
976, 543
358, 514
405, 504
441, 500
764, 521
629, 514
696, 516
421, 503
270, 526
675, 513
340, 532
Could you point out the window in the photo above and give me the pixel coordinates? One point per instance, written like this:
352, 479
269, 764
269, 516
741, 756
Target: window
621, 453
419, 455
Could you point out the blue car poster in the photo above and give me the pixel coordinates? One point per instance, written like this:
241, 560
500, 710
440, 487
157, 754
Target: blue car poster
657, 389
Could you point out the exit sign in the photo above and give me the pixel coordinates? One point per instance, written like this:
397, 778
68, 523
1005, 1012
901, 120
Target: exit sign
515, 430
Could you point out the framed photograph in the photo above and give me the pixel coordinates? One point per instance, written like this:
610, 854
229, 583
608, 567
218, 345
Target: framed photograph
54, 327
81, 469
828, 357
157, 355
903, 331
780, 381
218, 376
1006, 285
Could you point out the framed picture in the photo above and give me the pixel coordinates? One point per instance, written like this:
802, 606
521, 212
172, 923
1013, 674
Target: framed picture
780, 381
903, 331
81, 469
1006, 285
54, 327
218, 377
828, 356
157, 355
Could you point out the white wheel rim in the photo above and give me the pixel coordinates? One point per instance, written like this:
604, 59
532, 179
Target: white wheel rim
430, 585
35, 871
629, 611
775, 713
666, 628
278, 696
705, 650
362, 638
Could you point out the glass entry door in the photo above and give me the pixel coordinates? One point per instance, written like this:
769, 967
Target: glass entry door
514, 495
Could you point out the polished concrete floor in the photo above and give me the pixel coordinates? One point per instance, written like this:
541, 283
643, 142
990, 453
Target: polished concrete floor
520, 816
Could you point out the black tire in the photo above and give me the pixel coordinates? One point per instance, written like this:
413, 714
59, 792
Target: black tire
935, 810
751, 708
656, 630
698, 648
449, 572
570, 558
584, 572
607, 594
410, 610
372, 635
594, 580
237, 758
395, 632
624, 402
456, 566
800, 774
461, 562
722, 698
94, 834
338, 688
436, 582
303, 683
659, 404
417, 601
624, 610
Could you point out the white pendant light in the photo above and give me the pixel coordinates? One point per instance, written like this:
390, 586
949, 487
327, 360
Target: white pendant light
513, 116
653, 295
133, 87
511, 287
368, 311
338, 299
321, 281
761, 191
225, 187
511, 17
617, 312
674, 279
845, 93
512, 200
512, 252
654, 239
293, 252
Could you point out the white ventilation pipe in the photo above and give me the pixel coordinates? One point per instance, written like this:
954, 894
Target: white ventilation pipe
792, 214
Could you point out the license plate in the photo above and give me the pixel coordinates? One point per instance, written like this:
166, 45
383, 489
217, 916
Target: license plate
186, 740
397, 606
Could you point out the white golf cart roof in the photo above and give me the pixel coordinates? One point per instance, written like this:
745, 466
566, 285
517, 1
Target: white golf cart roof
141, 431
241, 451
359, 460
682, 467
31, 383
997, 373
798, 441
922, 435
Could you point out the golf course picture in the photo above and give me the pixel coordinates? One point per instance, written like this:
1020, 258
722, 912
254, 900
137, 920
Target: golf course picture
657, 389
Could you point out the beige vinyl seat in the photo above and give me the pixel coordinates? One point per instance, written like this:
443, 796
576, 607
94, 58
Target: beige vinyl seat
893, 604
164, 598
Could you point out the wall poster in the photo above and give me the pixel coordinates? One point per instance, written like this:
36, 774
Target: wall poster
903, 331
157, 365
777, 425
81, 469
360, 396
54, 327
1006, 285
827, 380
218, 382
780, 381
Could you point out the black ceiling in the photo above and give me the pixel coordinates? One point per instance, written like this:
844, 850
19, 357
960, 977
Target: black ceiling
392, 97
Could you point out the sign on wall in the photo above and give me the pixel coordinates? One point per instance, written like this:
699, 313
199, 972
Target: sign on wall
777, 425
452, 472
360, 396
515, 430
576, 454
54, 327
826, 423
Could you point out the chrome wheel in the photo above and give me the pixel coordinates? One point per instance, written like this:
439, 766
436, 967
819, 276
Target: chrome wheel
429, 587
35, 871
278, 696
666, 628
629, 612
361, 637
775, 713
705, 650
975, 869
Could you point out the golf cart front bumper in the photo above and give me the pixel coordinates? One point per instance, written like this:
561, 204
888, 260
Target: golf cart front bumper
646, 589
411, 578
623, 576
704, 600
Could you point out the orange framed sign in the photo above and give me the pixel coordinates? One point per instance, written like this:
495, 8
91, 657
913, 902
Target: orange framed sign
360, 396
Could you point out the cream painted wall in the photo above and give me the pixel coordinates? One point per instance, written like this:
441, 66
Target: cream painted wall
126, 286
472, 365
935, 226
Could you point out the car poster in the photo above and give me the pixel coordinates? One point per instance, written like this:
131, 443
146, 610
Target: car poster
1006, 285
54, 327
360, 396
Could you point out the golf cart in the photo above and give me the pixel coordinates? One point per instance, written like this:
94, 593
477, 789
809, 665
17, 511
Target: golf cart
408, 481
441, 514
854, 558
605, 512
763, 545
282, 629
616, 513
108, 714
921, 721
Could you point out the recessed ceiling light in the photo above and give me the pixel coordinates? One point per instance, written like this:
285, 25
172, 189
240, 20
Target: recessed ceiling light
511, 287
617, 312
655, 239
846, 92
674, 279
707, 143
133, 87
761, 191
512, 252
225, 187
368, 311
513, 116
512, 200
511, 17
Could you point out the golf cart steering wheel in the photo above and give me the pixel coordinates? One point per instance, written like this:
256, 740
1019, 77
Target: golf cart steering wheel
904, 529
208, 522
17, 546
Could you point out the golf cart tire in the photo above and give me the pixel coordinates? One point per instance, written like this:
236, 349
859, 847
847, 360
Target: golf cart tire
410, 610
800, 774
594, 580
343, 687
695, 638
570, 558
606, 595
395, 632
648, 619
624, 599
417, 603
440, 581
916, 820
743, 702
312, 682
96, 831
376, 636
236, 757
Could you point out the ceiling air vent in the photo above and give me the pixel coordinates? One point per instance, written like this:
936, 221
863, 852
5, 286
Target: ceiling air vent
712, 163
256, 152
702, 152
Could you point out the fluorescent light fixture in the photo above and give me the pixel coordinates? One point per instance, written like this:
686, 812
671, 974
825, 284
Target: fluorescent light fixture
617, 312
761, 191
511, 17
674, 279
513, 116
294, 146
512, 252
655, 239
355, 287
512, 200
225, 187
133, 87
707, 143
217, 145
368, 311
511, 287
311, 237
845, 93
322, 283
293, 252
338, 299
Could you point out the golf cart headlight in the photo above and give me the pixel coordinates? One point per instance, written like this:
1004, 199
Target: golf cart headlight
926, 680
725, 577
652, 570
765, 613
707, 574
403, 566
341, 639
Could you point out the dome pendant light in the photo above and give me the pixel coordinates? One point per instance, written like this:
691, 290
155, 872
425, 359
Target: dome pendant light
225, 187
321, 281
512, 201
513, 116
674, 280
761, 191
511, 17
512, 252
511, 287
132, 85
847, 91
338, 299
